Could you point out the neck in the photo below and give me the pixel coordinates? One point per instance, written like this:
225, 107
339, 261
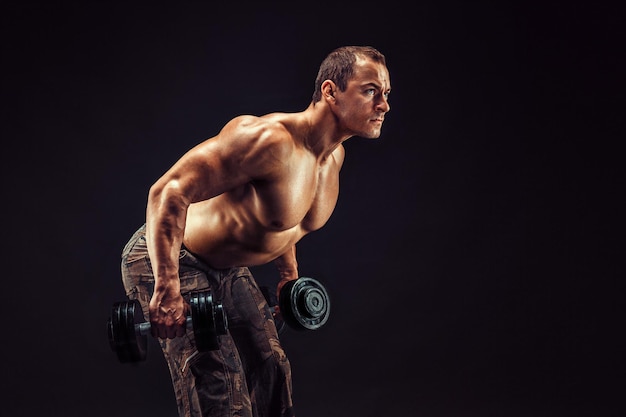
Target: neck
323, 133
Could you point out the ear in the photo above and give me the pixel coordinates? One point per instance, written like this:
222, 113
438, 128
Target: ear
328, 90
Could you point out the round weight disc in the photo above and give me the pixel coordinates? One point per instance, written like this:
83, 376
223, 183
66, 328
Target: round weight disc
110, 334
221, 322
203, 318
304, 304
129, 345
138, 342
117, 334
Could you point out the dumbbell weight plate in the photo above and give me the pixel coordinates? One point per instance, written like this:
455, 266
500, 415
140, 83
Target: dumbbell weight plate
304, 304
221, 322
129, 345
127, 326
209, 321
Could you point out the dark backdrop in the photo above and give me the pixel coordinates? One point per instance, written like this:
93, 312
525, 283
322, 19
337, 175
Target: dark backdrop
471, 259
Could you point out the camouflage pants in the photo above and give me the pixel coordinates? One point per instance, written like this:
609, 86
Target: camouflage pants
249, 375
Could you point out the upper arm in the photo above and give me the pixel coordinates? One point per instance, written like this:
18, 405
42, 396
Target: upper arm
246, 149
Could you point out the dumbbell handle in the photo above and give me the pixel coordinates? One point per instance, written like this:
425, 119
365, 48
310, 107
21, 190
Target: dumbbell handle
144, 328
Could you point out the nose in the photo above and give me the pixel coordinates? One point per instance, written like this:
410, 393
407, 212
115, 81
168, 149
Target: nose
383, 104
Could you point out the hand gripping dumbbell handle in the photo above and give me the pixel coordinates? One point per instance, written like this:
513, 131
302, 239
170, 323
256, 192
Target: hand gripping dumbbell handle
144, 328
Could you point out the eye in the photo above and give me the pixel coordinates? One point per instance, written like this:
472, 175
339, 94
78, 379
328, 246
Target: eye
370, 91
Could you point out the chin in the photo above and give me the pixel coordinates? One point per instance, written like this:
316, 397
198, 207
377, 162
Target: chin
372, 135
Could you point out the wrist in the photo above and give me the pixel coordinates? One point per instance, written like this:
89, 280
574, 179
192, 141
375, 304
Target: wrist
288, 275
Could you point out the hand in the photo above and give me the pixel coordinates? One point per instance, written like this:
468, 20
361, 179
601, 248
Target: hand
168, 315
281, 284
276, 313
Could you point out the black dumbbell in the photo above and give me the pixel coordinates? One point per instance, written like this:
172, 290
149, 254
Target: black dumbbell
128, 329
304, 304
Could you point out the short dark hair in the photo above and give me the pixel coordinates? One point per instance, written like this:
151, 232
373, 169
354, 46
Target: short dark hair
338, 66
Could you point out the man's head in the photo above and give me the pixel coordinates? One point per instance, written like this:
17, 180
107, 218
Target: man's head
353, 81
338, 66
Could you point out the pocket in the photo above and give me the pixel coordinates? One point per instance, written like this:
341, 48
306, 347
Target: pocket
192, 280
192, 276
143, 294
137, 273
139, 235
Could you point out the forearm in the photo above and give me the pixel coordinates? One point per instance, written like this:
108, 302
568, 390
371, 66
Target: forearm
165, 225
287, 266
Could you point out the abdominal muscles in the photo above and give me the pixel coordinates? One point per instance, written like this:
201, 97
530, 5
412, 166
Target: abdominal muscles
257, 222
227, 235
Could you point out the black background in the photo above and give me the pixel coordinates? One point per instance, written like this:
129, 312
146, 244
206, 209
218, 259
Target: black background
471, 259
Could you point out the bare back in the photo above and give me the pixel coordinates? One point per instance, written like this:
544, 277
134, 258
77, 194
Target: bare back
259, 219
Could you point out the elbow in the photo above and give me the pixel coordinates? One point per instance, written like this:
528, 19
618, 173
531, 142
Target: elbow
154, 192
165, 189
167, 197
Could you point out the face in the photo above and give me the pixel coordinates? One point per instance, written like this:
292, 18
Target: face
362, 107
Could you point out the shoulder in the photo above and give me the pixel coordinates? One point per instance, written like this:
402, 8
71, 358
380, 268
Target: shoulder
260, 132
259, 146
256, 126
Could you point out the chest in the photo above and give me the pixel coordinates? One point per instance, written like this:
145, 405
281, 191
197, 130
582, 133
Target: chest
305, 196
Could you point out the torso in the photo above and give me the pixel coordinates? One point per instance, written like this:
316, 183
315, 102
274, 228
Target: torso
259, 221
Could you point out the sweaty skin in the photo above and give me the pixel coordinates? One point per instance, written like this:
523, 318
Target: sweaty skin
246, 196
